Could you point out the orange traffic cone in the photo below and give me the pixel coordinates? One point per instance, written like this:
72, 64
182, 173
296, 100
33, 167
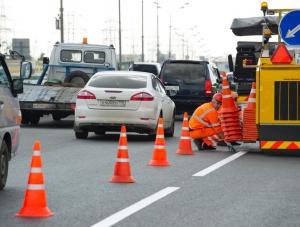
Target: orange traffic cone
35, 195
159, 157
185, 146
250, 132
229, 114
122, 173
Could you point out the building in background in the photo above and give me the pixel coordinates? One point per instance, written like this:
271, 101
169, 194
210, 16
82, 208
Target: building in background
22, 46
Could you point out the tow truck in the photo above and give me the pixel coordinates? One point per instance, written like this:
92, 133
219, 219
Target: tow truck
277, 78
67, 71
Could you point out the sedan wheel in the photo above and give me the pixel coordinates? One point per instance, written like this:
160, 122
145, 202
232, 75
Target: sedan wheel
81, 135
3, 164
170, 131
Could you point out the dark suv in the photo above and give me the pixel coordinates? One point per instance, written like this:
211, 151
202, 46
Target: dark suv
193, 81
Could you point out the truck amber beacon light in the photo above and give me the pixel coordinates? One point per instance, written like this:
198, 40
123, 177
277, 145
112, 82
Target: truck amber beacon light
84, 41
264, 7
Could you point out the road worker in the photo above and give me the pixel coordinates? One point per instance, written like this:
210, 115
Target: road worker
205, 126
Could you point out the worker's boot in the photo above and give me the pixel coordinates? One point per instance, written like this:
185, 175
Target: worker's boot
206, 147
221, 143
198, 143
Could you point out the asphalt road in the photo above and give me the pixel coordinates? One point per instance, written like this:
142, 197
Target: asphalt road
210, 188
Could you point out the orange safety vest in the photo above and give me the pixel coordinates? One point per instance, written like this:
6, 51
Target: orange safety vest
205, 116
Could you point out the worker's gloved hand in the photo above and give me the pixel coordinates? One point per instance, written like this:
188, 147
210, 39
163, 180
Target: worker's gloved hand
230, 146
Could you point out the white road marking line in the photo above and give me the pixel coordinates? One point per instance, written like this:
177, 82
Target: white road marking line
113, 219
219, 164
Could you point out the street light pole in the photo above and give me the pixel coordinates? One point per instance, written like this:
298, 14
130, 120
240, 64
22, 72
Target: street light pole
120, 43
61, 22
142, 31
170, 38
171, 28
157, 37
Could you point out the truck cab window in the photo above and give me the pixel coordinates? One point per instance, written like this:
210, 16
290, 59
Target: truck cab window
3, 78
94, 57
70, 56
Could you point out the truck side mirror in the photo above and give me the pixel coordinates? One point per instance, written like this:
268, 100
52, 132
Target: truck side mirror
26, 70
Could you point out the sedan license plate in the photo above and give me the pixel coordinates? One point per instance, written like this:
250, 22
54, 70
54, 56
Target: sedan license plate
114, 103
176, 88
44, 106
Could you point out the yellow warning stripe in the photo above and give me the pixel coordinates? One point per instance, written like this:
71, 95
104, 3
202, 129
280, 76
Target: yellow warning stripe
280, 144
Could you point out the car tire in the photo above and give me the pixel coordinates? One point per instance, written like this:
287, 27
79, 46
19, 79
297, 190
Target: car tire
170, 131
152, 134
3, 164
82, 135
77, 77
34, 119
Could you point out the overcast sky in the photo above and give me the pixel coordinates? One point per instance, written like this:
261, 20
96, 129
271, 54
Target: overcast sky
201, 28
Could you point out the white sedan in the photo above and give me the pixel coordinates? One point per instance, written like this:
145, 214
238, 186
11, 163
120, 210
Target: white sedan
111, 99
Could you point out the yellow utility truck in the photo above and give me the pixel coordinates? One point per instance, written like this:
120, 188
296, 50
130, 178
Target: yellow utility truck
276, 74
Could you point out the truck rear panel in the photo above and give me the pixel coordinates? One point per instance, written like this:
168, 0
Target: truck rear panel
278, 105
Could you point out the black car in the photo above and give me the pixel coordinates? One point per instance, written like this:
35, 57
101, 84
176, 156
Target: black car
194, 82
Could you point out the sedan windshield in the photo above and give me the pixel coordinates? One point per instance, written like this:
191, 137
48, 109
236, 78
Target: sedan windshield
118, 81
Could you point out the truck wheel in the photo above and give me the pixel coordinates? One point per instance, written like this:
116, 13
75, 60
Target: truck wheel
3, 164
34, 119
82, 135
77, 77
56, 117
25, 119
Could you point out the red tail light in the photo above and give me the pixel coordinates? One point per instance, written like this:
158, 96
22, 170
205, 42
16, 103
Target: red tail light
142, 96
248, 62
85, 95
161, 79
208, 88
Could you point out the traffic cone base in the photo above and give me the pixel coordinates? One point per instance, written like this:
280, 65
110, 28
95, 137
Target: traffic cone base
159, 163
231, 109
122, 179
228, 119
230, 124
229, 114
231, 132
233, 138
185, 146
233, 128
35, 212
